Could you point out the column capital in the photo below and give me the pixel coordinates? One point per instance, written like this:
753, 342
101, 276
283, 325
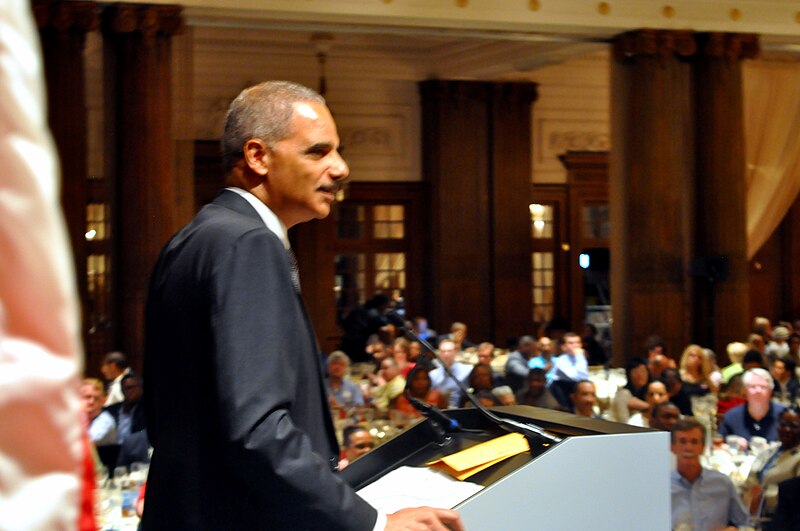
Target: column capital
654, 43
730, 46
66, 16
150, 21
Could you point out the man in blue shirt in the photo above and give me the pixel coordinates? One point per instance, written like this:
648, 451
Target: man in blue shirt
343, 392
701, 498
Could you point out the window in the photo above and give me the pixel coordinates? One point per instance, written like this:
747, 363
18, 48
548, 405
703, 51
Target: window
543, 286
371, 253
595, 220
541, 221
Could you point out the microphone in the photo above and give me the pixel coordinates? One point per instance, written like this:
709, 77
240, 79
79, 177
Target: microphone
529, 430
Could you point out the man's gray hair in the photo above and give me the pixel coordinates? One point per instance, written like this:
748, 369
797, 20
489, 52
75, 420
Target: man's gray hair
338, 355
761, 373
262, 111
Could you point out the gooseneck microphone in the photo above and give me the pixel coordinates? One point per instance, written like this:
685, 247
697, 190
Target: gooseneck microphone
440, 420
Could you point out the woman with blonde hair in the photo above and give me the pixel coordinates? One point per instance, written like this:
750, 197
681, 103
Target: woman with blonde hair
696, 370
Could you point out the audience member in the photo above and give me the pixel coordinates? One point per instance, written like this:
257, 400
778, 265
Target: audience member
341, 391
128, 414
414, 351
135, 449
536, 393
656, 356
485, 398
102, 429
664, 416
401, 356
568, 368
485, 353
356, 441
584, 398
420, 327
710, 357
736, 351
114, 367
630, 398
757, 342
696, 372
480, 379
390, 385
753, 359
656, 394
505, 395
794, 347
758, 416
442, 381
458, 335
782, 465
517, 363
779, 346
545, 358
786, 384
677, 393
701, 498
419, 387
762, 327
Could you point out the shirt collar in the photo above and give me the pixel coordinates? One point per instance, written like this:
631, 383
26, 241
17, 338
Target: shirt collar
267, 216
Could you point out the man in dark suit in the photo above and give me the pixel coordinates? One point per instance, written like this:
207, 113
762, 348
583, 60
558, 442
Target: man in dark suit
235, 401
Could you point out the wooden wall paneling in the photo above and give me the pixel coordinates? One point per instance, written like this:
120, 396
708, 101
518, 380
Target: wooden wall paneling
790, 281
510, 239
456, 164
764, 279
63, 27
721, 207
651, 182
138, 61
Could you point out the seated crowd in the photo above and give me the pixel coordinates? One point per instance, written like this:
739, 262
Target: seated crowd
754, 398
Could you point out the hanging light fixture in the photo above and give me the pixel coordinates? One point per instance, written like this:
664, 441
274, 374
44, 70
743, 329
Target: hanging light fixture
322, 44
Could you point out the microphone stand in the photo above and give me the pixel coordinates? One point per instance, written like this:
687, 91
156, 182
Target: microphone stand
529, 430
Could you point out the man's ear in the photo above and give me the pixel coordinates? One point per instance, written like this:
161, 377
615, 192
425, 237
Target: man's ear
256, 156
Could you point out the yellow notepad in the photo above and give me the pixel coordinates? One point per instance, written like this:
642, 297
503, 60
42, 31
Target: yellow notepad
466, 463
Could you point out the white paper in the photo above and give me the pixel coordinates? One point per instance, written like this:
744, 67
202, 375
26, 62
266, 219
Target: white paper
414, 487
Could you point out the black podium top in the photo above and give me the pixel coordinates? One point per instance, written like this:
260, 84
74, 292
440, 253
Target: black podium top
417, 445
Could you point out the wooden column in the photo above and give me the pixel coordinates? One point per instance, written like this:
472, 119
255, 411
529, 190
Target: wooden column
138, 67
456, 164
721, 290
511, 222
476, 149
62, 28
651, 184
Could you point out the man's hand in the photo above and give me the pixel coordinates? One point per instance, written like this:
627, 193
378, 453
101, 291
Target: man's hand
424, 518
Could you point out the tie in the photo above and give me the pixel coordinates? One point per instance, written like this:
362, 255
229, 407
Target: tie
294, 269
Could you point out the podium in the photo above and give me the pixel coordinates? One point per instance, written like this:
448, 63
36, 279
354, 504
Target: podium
601, 475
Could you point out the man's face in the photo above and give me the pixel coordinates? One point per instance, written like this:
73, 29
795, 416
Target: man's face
92, 400
337, 368
665, 418
447, 350
109, 370
485, 355
304, 169
360, 443
584, 397
758, 391
688, 446
536, 384
572, 344
655, 351
546, 345
778, 370
131, 390
525, 346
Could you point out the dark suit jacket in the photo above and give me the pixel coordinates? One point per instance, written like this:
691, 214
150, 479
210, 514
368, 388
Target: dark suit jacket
137, 419
235, 402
